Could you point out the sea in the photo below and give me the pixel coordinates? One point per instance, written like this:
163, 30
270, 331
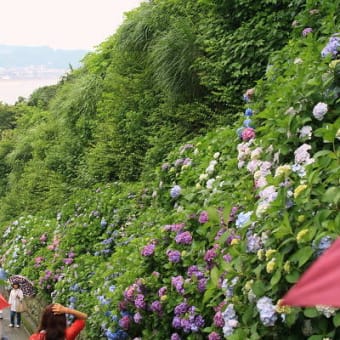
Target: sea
11, 89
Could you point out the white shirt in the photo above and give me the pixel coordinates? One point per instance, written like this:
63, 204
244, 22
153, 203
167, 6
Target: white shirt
15, 296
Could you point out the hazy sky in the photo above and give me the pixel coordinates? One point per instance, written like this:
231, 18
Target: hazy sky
67, 24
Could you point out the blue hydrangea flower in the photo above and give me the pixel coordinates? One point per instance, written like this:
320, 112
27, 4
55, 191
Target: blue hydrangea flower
323, 245
248, 123
248, 112
254, 242
243, 218
333, 46
175, 191
267, 311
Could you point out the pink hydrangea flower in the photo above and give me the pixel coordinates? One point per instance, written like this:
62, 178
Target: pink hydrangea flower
248, 134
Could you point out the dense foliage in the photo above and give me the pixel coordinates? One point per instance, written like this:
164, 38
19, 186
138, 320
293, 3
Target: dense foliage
205, 243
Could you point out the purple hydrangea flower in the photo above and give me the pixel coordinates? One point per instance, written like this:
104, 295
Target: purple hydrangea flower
307, 31
201, 285
175, 336
184, 237
218, 319
176, 322
179, 161
214, 336
139, 301
148, 250
227, 258
185, 325
174, 227
211, 254
182, 308
174, 256
156, 306
199, 321
178, 282
204, 217
193, 270
162, 291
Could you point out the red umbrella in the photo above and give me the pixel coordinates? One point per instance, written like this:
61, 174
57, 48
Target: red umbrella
319, 285
3, 303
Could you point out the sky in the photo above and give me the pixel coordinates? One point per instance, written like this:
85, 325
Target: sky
66, 24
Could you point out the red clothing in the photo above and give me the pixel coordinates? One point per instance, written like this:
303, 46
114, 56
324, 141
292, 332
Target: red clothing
71, 332
3, 302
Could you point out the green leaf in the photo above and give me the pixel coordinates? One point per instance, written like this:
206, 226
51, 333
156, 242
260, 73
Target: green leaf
316, 337
208, 294
276, 278
291, 318
336, 320
284, 229
302, 255
238, 334
215, 275
292, 277
259, 288
213, 215
311, 313
332, 195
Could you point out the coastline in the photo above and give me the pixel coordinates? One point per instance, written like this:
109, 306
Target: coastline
11, 89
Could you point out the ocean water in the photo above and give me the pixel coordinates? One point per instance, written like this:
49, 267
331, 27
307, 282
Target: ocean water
11, 89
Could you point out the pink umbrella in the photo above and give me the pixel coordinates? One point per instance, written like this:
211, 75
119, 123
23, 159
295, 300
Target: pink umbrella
319, 285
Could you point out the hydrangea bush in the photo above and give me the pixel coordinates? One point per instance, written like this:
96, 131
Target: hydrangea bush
229, 223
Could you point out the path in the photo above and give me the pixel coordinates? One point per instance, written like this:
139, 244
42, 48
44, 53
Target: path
11, 333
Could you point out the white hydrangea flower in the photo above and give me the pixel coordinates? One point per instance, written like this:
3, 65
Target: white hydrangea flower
298, 61
210, 183
203, 177
255, 154
305, 132
319, 110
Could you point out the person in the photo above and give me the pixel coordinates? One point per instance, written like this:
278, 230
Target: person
53, 325
16, 296
3, 301
3, 304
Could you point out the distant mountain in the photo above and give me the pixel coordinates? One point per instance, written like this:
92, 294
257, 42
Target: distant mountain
23, 56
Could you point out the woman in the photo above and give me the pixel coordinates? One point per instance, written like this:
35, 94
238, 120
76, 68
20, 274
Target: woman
53, 325
16, 296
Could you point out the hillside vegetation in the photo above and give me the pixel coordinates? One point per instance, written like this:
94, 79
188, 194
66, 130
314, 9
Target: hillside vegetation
182, 180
